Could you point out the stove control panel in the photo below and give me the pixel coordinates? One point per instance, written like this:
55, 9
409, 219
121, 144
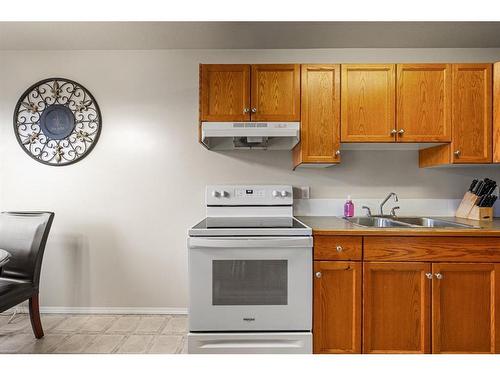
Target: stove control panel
249, 195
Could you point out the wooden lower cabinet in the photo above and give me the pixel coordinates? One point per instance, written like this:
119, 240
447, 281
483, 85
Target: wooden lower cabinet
337, 307
464, 308
396, 307
406, 295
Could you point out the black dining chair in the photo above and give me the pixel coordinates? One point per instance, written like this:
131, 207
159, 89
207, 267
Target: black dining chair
23, 235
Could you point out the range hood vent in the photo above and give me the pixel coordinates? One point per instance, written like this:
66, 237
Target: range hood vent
250, 135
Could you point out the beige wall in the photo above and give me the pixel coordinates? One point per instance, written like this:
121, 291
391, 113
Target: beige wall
119, 236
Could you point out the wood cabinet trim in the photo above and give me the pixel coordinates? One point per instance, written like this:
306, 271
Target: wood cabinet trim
431, 249
496, 112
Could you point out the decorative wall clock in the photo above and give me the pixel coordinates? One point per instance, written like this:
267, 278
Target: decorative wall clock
57, 121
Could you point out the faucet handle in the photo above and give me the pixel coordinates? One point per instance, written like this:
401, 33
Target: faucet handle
393, 210
368, 210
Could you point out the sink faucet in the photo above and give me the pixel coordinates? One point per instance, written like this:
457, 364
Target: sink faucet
368, 211
393, 211
385, 201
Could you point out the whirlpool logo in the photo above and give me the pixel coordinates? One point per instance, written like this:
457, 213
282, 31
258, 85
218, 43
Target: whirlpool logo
249, 319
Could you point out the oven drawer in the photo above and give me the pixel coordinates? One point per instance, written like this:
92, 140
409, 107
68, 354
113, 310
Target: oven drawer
338, 248
250, 343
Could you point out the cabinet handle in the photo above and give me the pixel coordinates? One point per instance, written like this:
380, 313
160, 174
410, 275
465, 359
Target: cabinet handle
339, 249
401, 132
337, 153
457, 153
393, 132
428, 275
438, 275
246, 110
254, 110
318, 275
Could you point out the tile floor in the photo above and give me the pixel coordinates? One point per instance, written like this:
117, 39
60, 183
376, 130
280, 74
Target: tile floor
66, 333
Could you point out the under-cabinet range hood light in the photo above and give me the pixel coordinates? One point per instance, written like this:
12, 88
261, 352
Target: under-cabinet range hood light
250, 135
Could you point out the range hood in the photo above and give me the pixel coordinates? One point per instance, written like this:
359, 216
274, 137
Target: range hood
250, 135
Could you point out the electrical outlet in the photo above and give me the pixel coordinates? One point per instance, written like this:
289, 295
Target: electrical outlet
304, 192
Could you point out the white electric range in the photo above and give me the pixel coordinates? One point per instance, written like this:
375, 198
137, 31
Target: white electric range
250, 273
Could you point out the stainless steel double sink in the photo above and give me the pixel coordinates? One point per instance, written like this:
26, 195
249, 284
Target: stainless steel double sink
405, 222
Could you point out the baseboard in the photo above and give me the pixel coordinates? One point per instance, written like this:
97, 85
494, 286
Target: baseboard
105, 310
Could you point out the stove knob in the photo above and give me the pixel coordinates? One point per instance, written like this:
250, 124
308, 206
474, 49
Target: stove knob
276, 193
284, 194
215, 194
224, 194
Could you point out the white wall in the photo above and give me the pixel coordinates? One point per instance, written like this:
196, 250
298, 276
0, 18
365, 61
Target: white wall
119, 236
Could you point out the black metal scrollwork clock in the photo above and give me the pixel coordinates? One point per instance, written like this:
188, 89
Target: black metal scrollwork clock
57, 121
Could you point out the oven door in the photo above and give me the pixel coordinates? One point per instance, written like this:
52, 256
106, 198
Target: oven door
250, 284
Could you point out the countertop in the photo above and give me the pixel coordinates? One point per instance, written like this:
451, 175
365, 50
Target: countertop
333, 225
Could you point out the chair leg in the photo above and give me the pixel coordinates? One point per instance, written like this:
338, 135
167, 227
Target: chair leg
36, 323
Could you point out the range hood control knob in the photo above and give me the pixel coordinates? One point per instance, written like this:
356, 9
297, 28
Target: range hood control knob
276, 193
224, 194
284, 194
215, 194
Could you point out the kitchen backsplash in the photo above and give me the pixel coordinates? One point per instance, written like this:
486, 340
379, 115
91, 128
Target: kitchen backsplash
420, 207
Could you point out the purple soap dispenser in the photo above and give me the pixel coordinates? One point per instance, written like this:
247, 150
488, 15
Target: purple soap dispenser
348, 207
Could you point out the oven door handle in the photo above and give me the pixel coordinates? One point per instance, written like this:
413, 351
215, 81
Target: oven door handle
247, 242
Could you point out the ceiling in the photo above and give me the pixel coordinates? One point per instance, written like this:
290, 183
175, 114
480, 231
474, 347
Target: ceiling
246, 35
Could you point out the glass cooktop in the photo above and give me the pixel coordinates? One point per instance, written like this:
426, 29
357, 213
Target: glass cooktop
249, 222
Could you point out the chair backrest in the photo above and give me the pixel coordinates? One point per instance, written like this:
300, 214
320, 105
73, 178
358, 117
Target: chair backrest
24, 235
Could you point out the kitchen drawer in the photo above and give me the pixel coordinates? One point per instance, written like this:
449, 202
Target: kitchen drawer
436, 249
338, 248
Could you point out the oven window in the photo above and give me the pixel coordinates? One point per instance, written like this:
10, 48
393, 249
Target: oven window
250, 282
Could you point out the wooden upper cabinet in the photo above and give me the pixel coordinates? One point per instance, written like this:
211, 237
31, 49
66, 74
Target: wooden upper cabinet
368, 103
423, 102
337, 307
472, 113
275, 92
225, 92
465, 308
320, 115
496, 113
396, 307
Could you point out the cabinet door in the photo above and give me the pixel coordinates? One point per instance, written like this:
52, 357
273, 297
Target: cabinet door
464, 308
472, 113
496, 113
320, 115
276, 92
423, 102
396, 307
225, 92
337, 307
368, 103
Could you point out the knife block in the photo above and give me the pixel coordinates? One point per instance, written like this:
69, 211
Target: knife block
466, 206
481, 213
468, 209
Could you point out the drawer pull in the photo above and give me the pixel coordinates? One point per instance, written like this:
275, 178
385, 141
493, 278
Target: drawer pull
339, 249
